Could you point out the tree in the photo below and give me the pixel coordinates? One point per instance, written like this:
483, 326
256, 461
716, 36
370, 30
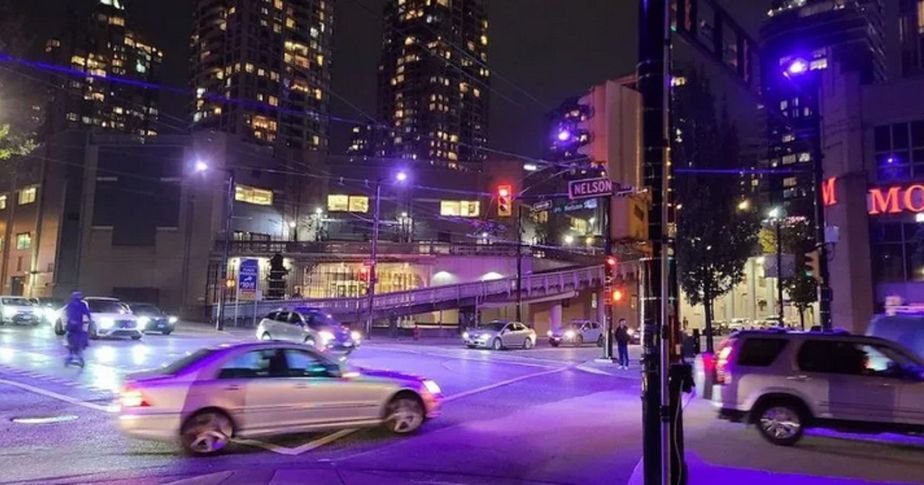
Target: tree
714, 238
802, 289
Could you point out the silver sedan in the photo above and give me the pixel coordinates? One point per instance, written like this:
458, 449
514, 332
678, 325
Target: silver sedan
311, 327
267, 388
499, 335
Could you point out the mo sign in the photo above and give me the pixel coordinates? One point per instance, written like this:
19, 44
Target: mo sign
896, 199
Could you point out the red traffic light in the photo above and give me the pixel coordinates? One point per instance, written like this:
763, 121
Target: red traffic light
504, 200
503, 190
611, 261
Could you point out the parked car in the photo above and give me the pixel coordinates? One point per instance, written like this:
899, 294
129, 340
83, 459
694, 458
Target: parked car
110, 318
785, 382
153, 319
261, 388
18, 310
499, 335
578, 332
48, 308
905, 328
310, 326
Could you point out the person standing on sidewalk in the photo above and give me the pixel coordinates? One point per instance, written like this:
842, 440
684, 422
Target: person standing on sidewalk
622, 343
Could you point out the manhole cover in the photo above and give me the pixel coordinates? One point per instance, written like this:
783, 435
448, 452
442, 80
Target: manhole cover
44, 419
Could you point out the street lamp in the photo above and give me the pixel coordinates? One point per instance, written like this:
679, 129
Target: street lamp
200, 166
564, 134
399, 177
776, 214
568, 239
744, 205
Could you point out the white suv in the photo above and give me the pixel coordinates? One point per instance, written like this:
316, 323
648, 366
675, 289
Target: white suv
785, 382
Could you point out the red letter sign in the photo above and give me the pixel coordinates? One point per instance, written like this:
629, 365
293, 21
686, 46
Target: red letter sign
882, 204
829, 191
912, 203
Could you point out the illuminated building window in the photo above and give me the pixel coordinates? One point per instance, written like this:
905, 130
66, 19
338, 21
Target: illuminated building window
460, 208
252, 195
318, 94
24, 240
27, 195
347, 203
2, 202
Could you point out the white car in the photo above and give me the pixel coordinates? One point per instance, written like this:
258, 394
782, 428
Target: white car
18, 310
785, 382
109, 318
499, 335
578, 332
310, 326
267, 388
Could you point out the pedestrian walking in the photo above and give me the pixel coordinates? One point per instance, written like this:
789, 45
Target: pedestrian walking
622, 343
74, 313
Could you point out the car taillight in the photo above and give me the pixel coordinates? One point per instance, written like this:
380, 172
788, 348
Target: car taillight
722, 359
132, 398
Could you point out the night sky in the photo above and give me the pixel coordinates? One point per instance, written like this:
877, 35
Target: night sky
540, 52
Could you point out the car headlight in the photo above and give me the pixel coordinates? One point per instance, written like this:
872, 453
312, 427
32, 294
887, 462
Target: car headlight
549, 333
356, 335
569, 334
433, 387
173, 320
465, 335
50, 314
143, 321
106, 323
326, 336
9, 312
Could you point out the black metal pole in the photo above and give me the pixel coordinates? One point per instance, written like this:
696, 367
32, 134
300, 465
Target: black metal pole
607, 299
519, 261
654, 86
824, 290
226, 253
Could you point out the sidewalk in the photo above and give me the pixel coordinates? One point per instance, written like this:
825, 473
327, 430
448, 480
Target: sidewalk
702, 473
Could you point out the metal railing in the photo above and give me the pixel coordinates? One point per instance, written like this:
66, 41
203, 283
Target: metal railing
533, 285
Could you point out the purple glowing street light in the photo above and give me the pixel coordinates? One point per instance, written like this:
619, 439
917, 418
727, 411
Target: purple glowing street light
797, 66
401, 176
200, 166
564, 135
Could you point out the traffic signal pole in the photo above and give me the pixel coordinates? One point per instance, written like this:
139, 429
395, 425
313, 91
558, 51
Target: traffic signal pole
608, 289
661, 413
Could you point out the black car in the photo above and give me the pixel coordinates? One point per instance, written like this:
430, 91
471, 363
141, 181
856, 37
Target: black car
153, 319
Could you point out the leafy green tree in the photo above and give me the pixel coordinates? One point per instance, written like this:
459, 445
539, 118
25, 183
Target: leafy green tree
714, 238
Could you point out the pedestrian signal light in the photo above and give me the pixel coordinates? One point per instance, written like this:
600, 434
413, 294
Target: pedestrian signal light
504, 200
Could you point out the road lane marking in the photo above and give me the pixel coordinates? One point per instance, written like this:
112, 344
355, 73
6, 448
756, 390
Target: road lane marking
503, 383
298, 450
60, 397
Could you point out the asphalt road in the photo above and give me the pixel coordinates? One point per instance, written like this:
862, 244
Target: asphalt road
539, 416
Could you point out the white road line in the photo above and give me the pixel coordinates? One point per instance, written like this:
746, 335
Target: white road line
502, 384
60, 397
298, 450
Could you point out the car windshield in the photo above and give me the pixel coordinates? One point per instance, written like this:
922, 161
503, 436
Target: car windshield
496, 326
317, 319
17, 301
146, 309
178, 365
105, 306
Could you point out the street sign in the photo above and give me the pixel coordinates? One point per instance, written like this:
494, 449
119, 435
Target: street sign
586, 188
542, 206
247, 279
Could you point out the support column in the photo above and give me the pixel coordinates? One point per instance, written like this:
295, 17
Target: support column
555, 316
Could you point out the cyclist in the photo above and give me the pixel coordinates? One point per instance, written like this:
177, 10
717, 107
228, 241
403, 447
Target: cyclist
74, 312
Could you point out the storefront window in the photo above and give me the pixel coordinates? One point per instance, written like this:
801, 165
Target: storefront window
897, 251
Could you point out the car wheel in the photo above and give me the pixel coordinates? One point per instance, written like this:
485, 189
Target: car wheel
404, 414
497, 344
309, 342
206, 432
553, 343
168, 332
136, 337
59, 328
579, 341
266, 336
92, 332
600, 341
528, 343
780, 422
470, 346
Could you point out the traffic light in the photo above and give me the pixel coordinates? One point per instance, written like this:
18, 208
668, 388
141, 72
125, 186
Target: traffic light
609, 269
811, 264
364, 273
617, 295
504, 200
